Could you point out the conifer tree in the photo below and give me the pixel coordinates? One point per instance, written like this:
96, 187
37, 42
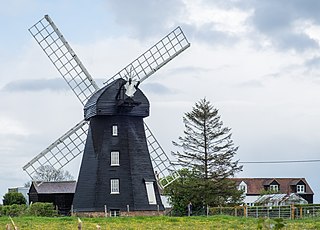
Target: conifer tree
207, 155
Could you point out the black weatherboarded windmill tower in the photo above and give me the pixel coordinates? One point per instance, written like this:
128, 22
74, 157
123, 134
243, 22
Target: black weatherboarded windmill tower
123, 164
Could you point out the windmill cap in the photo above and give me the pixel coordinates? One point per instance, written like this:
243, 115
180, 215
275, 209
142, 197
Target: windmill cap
111, 100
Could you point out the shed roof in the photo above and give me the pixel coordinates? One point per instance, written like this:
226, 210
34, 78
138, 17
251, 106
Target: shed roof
55, 187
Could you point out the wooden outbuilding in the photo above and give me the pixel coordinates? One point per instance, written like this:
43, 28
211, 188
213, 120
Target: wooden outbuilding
59, 193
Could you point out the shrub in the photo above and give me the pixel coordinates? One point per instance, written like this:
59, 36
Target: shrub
42, 209
13, 210
14, 198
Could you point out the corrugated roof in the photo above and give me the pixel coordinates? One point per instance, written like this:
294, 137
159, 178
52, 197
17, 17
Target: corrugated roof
55, 187
279, 199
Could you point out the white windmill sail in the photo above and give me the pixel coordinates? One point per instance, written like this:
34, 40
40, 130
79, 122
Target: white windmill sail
154, 58
165, 171
64, 58
62, 151
71, 144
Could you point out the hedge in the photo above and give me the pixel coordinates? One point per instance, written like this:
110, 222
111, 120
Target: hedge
36, 209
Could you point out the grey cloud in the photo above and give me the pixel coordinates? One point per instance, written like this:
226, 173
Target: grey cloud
156, 88
271, 18
275, 20
250, 84
55, 84
206, 34
188, 70
147, 18
313, 63
143, 17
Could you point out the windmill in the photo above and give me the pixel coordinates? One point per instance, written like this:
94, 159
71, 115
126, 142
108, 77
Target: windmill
123, 164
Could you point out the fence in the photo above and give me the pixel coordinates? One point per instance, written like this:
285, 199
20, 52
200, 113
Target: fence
285, 212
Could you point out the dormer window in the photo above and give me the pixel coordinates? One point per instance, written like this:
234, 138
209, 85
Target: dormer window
300, 188
243, 187
274, 187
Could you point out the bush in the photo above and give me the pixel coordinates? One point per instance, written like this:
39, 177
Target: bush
42, 209
14, 198
13, 210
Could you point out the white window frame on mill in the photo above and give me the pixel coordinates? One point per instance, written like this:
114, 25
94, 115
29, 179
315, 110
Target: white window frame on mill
114, 186
115, 130
115, 158
150, 192
301, 188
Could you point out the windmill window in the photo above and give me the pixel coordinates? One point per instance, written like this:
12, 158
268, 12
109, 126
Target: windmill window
114, 158
114, 130
114, 186
150, 192
300, 188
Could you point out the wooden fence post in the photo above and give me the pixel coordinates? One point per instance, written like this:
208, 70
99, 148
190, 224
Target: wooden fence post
14, 225
79, 224
105, 211
292, 211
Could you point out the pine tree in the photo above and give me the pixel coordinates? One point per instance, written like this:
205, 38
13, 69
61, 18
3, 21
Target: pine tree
207, 152
207, 145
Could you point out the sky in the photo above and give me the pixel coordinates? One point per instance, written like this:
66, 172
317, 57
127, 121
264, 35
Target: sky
258, 62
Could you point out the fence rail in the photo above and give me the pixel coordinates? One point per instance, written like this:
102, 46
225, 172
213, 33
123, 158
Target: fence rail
285, 212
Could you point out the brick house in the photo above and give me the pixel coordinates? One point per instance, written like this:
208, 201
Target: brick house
254, 187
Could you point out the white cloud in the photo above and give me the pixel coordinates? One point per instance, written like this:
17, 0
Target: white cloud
232, 20
10, 126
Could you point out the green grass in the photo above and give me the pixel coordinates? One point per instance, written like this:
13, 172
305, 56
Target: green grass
162, 222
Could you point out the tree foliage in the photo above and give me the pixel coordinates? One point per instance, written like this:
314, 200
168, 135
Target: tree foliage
207, 153
49, 173
190, 188
11, 198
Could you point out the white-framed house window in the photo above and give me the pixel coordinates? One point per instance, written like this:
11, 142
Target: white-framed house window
114, 158
274, 187
243, 187
300, 188
114, 130
115, 188
150, 192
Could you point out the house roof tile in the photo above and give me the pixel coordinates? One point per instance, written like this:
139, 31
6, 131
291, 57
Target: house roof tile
256, 185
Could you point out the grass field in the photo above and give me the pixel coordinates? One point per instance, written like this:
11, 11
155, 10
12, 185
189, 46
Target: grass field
212, 222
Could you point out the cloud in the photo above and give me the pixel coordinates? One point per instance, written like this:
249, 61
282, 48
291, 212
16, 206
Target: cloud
277, 21
250, 84
56, 84
313, 63
145, 18
207, 33
157, 88
188, 70
11, 126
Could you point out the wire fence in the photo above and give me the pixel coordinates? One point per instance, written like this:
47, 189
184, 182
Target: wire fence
285, 212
